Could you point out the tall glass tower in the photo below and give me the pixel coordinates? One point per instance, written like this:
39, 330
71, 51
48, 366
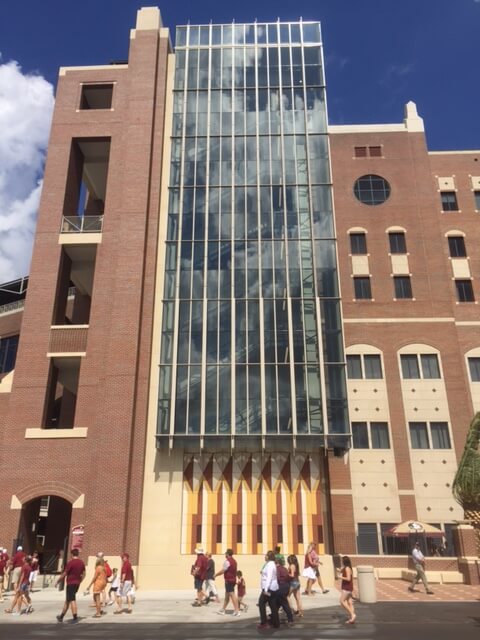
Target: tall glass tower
252, 354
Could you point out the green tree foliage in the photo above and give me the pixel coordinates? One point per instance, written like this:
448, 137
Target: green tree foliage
466, 486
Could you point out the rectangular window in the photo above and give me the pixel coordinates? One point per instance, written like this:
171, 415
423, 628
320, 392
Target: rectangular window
239, 533
403, 287
360, 152
375, 152
440, 435
279, 534
456, 245
449, 201
464, 291
300, 534
8, 353
418, 435
360, 435
397, 242
259, 534
358, 244
96, 96
410, 368
474, 366
430, 368
354, 367
379, 434
362, 288
373, 366
219, 534
476, 195
367, 539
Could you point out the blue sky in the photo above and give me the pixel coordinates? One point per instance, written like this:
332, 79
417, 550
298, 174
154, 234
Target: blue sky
379, 54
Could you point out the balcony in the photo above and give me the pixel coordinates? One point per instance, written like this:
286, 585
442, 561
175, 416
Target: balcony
82, 224
68, 340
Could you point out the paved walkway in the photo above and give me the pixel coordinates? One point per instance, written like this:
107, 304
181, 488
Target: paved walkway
175, 606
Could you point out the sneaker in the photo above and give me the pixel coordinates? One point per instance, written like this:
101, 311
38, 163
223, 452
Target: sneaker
325, 590
221, 612
59, 618
429, 593
245, 607
74, 620
236, 613
411, 589
265, 625
29, 609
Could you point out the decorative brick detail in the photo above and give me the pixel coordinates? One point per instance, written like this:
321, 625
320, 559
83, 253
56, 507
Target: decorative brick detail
68, 340
49, 488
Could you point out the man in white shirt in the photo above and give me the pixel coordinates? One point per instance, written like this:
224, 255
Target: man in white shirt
419, 564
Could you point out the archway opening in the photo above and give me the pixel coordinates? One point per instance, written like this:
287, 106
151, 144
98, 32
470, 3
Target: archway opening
45, 527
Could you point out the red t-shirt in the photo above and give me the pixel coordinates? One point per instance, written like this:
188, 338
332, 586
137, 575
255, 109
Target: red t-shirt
241, 587
17, 559
25, 575
74, 571
202, 564
2, 566
127, 571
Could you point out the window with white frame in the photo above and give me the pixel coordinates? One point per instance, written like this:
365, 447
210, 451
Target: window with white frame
429, 435
368, 366
370, 435
417, 366
474, 367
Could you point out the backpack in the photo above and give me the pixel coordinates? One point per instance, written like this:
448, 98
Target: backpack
282, 575
108, 570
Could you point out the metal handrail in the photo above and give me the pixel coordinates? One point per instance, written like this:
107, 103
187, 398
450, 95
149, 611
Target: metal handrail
81, 224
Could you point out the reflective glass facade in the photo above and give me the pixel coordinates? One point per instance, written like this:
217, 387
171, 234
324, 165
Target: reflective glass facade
251, 330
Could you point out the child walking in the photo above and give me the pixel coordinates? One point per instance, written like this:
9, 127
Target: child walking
241, 591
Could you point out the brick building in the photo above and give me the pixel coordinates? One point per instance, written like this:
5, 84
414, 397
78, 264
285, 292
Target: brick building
241, 321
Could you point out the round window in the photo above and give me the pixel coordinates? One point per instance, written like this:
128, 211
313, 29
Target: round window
371, 190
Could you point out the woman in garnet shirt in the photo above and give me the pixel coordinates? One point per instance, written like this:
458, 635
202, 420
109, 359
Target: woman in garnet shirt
346, 599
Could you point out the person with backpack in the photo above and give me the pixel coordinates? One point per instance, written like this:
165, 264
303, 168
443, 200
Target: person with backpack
283, 579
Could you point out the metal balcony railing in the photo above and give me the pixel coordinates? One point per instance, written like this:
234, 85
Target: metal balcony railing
81, 224
12, 306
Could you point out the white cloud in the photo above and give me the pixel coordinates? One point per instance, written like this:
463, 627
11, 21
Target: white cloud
26, 106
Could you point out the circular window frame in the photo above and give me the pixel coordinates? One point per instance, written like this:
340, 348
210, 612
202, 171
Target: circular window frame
374, 195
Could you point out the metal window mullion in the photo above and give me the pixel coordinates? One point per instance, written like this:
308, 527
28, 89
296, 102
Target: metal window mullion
293, 394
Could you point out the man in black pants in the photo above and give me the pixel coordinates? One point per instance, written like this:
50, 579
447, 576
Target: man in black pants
74, 573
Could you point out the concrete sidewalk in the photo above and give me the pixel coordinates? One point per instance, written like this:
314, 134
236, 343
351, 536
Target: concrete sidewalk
150, 607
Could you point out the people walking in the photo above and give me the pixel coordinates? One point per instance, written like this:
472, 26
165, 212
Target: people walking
268, 593
241, 591
419, 564
73, 574
283, 579
35, 567
22, 593
229, 572
199, 573
346, 594
309, 570
114, 586
294, 573
98, 582
210, 588
16, 564
127, 583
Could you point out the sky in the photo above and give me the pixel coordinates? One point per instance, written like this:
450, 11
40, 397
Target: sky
379, 54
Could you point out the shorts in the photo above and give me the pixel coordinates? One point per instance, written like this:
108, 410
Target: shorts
125, 589
24, 588
229, 587
294, 584
198, 584
71, 592
16, 574
309, 572
113, 590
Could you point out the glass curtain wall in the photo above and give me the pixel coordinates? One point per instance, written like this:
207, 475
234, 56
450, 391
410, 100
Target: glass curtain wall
251, 335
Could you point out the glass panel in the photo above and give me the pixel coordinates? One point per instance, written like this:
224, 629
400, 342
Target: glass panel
410, 368
354, 367
430, 368
360, 435
474, 366
379, 435
418, 435
373, 366
440, 435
